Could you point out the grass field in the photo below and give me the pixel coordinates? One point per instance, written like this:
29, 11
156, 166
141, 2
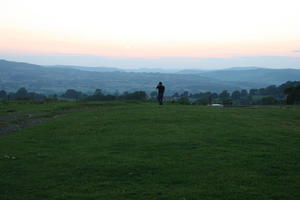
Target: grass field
135, 150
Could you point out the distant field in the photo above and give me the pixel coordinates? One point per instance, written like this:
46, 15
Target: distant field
135, 150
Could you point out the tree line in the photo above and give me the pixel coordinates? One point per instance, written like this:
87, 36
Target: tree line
71, 94
287, 93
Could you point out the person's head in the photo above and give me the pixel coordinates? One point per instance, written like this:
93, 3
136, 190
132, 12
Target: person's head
160, 83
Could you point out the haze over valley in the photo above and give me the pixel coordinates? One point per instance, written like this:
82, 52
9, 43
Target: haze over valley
57, 79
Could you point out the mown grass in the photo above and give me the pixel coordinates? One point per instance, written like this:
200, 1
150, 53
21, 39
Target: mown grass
145, 151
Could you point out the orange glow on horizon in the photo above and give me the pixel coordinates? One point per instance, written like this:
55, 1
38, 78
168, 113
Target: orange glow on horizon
29, 42
138, 28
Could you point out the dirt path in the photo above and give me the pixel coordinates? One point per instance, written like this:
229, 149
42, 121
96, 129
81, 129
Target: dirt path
13, 122
11, 127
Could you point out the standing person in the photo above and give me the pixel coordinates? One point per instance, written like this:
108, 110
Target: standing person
160, 96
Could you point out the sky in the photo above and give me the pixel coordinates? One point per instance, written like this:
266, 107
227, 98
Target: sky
166, 33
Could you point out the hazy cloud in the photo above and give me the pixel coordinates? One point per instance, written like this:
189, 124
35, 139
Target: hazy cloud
164, 63
296, 51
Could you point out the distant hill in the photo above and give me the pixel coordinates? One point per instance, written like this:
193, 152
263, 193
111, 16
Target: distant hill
92, 69
198, 71
14, 75
244, 68
114, 69
192, 71
260, 76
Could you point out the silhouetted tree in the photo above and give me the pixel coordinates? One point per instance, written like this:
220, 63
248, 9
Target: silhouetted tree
271, 90
98, 96
224, 95
98, 92
185, 94
3, 94
244, 93
236, 95
184, 101
214, 95
53, 96
293, 95
21, 94
253, 92
73, 94
35, 96
202, 102
138, 95
176, 95
268, 100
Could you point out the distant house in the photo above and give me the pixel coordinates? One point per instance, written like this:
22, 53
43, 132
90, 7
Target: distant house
216, 105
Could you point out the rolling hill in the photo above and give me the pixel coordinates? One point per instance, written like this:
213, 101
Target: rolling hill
56, 79
261, 76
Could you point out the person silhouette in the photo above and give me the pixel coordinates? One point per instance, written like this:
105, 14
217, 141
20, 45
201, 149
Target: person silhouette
160, 95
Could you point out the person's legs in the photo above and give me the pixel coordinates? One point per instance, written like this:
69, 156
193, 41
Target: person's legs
160, 99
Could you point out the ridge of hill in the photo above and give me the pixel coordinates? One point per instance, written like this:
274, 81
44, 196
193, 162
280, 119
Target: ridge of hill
262, 76
14, 75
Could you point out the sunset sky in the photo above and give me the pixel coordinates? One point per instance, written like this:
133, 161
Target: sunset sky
150, 29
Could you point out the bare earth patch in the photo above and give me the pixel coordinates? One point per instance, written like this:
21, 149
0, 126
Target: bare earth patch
14, 122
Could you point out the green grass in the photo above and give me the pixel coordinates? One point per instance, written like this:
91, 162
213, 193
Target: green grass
143, 151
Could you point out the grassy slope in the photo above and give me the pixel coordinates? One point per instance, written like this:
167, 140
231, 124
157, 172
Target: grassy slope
143, 151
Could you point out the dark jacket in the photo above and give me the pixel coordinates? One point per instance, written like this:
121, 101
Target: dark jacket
161, 89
